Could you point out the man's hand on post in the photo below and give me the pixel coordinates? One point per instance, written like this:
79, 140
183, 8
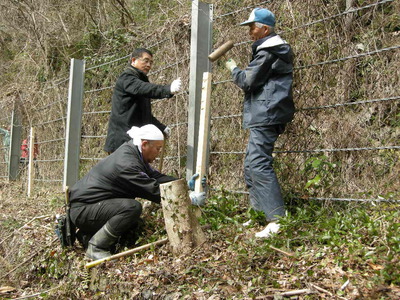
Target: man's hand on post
191, 182
176, 86
230, 64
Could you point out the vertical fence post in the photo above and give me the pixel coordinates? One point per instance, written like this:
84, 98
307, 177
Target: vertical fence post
74, 121
15, 145
31, 157
200, 48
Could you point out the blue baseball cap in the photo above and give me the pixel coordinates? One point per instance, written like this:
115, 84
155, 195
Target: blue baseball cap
261, 15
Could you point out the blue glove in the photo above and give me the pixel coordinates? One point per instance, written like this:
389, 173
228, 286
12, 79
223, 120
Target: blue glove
192, 180
198, 198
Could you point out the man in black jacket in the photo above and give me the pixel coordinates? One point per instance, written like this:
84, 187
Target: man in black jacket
131, 104
268, 106
103, 202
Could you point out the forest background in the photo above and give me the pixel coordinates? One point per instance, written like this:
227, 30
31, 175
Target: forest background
338, 161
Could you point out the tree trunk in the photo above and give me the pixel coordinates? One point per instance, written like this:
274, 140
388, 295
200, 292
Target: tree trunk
183, 229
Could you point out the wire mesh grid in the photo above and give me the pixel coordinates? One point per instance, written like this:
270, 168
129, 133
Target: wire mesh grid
346, 125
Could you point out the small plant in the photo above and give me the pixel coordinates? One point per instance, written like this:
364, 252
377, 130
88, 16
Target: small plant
221, 210
321, 172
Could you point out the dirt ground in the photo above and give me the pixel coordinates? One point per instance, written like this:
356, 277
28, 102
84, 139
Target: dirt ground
231, 265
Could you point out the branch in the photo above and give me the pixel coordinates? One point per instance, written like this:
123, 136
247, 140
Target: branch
29, 258
325, 291
40, 217
283, 252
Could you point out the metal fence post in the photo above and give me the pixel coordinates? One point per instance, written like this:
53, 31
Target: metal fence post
74, 121
200, 48
15, 146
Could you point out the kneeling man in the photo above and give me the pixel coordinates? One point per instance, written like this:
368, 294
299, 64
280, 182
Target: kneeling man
103, 202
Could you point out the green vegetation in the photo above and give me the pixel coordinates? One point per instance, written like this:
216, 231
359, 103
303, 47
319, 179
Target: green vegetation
322, 246
335, 249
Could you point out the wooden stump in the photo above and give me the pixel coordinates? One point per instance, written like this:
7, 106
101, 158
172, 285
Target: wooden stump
183, 229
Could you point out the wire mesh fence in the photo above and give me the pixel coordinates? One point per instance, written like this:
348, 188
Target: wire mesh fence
343, 143
5, 125
171, 60
48, 118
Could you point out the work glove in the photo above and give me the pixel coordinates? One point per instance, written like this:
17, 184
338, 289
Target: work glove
230, 64
167, 131
198, 198
176, 85
192, 180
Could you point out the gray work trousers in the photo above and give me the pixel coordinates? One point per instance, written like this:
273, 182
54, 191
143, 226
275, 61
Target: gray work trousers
265, 192
120, 213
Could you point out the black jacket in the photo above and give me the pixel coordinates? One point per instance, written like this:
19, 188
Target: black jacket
131, 106
123, 174
267, 83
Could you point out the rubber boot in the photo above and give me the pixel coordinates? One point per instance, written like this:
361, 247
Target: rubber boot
99, 245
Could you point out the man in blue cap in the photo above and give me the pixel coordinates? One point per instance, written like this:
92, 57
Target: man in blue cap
268, 107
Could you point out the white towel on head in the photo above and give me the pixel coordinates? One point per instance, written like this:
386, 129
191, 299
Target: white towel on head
147, 132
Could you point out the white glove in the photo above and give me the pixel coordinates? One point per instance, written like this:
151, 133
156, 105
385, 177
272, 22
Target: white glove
167, 131
198, 198
176, 85
230, 64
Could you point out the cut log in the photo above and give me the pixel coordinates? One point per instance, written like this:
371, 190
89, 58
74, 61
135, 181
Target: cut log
183, 228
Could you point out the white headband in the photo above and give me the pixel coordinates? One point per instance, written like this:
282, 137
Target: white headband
146, 132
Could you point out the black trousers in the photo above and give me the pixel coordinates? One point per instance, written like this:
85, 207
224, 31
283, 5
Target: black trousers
121, 214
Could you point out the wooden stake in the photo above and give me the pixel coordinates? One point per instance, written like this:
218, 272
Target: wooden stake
30, 165
204, 130
183, 229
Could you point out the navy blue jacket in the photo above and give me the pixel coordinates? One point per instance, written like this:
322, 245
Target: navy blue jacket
131, 106
267, 83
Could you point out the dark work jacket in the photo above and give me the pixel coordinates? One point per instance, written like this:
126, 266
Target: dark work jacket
123, 174
267, 83
131, 106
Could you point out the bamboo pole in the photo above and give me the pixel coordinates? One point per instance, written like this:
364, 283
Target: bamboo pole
126, 253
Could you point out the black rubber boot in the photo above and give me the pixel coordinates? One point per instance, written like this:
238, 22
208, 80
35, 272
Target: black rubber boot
83, 238
99, 245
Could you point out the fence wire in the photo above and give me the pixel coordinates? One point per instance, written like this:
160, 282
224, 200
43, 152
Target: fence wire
126, 56
240, 10
98, 119
350, 11
348, 57
330, 61
374, 200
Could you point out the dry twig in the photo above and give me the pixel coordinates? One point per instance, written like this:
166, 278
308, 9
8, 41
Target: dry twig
23, 226
282, 251
29, 258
